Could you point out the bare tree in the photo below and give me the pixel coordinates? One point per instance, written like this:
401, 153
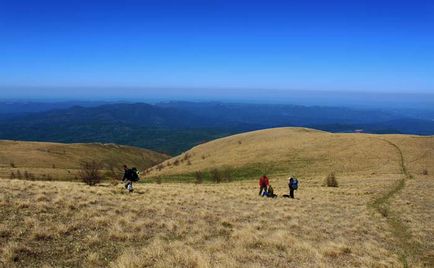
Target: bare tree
199, 177
227, 173
216, 176
90, 172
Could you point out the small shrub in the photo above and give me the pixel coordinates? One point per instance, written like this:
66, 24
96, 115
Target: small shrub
42, 233
5, 232
176, 162
160, 167
383, 211
12, 254
203, 157
216, 175
331, 180
240, 142
12, 176
54, 166
19, 175
199, 177
158, 180
13, 165
90, 172
425, 172
188, 163
227, 174
186, 156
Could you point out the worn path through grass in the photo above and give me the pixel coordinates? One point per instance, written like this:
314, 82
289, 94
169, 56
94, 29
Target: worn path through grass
407, 247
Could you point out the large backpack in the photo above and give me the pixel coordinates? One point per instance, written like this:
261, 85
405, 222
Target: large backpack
294, 184
134, 174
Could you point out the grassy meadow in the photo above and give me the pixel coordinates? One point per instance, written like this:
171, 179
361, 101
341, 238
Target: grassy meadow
381, 215
67, 224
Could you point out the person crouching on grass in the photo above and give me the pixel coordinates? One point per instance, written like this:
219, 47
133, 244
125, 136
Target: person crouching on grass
263, 184
270, 192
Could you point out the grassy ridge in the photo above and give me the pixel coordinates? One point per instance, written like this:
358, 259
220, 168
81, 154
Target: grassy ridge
59, 161
298, 152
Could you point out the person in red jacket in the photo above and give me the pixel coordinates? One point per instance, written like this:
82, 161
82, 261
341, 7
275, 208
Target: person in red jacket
263, 184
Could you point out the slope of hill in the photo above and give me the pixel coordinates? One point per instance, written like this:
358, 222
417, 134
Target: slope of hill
300, 152
381, 215
41, 160
388, 178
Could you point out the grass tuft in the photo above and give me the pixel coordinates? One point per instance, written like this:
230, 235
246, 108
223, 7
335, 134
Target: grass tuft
331, 181
216, 175
198, 175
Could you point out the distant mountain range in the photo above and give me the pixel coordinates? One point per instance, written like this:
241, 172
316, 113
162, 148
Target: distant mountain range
17, 107
174, 127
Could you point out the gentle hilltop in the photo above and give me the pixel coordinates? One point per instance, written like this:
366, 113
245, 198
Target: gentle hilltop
300, 152
59, 161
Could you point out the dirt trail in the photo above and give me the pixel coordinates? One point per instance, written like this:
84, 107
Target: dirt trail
406, 246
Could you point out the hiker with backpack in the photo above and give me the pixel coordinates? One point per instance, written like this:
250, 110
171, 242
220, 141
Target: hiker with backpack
130, 176
293, 185
264, 183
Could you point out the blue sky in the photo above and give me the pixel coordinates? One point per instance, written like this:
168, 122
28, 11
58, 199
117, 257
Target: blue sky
365, 46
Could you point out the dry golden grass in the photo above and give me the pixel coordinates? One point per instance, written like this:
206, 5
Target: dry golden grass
61, 161
188, 225
418, 152
415, 206
305, 152
381, 215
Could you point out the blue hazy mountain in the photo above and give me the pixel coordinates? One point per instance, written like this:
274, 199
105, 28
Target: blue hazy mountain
173, 127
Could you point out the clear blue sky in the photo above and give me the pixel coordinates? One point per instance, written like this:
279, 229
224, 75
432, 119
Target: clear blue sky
385, 46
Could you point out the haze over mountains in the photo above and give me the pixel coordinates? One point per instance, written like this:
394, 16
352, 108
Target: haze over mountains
173, 127
340, 98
